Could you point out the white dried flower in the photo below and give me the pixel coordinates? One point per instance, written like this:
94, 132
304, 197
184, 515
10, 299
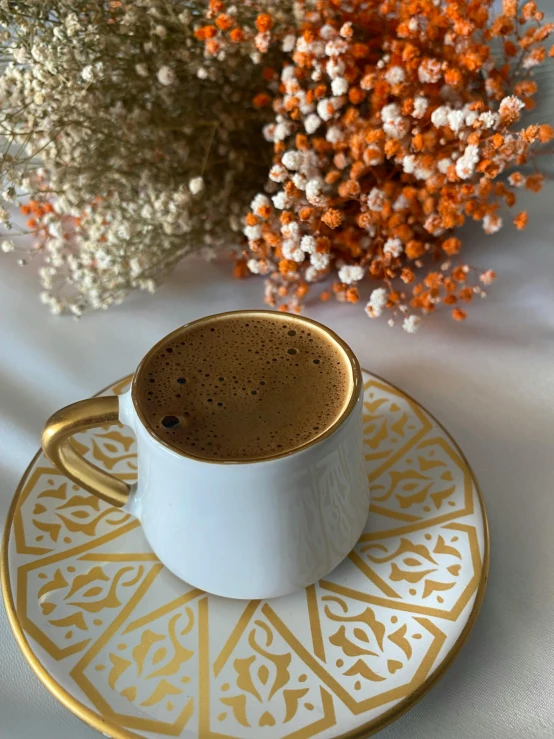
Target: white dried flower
254, 266
312, 274
393, 247
319, 261
260, 202
87, 73
282, 130
377, 301
492, 223
489, 119
292, 159
335, 68
456, 120
334, 134
7, 246
420, 106
196, 185
394, 124
376, 199
465, 165
141, 69
401, 203
288, 43
281, 201
325, 109
510, 108
308, 244
351, 273
312, 123
395, 75
300, 181
20, 55
346, 30
411, 324
439, 117
166, 76
339, 86
278, 173
429, 71
252, 232
314, 192
409, 163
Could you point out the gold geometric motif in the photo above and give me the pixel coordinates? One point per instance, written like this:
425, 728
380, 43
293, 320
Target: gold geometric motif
392, 425
152, 656
267, 685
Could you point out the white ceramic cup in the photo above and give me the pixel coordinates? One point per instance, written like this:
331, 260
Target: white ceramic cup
245, 529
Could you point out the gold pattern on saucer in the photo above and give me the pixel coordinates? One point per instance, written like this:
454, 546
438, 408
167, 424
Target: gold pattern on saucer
135, 652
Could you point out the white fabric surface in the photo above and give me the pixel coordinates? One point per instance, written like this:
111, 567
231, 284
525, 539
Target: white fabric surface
490, 381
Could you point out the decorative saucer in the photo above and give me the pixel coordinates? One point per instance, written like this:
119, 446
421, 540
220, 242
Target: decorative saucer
135, 652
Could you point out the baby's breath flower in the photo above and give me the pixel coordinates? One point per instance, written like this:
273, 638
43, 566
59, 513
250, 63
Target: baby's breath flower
411, 323
439, 117
377, 301
509, 109
319, 261
465, 165
393, 247
492, 223
308, 244
351, 273
386, 138
312, 123
375, 199
395, 75
420, 106
196, 185
292, 159
166, 76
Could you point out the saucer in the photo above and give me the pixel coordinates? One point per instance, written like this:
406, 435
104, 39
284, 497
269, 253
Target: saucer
135, 652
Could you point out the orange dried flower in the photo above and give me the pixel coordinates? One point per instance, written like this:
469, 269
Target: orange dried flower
261, 100
241, 270
206, 32
534, 182
451, 246
546, 133
237, 35
264, 22
332, 217
224, 22
459, 274
466, 294
379, 154
458, 314
520, 221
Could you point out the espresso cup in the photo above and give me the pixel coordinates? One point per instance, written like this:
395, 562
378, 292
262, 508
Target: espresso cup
231, 518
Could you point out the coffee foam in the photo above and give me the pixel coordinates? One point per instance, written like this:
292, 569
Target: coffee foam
244, 387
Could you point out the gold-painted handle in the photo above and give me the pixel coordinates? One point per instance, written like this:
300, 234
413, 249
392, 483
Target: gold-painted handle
56, 443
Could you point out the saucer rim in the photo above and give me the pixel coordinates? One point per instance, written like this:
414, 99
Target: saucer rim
113, 731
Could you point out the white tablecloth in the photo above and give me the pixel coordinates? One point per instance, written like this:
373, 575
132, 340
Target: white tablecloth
490, 381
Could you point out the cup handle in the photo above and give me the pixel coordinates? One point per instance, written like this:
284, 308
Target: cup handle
56, 443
